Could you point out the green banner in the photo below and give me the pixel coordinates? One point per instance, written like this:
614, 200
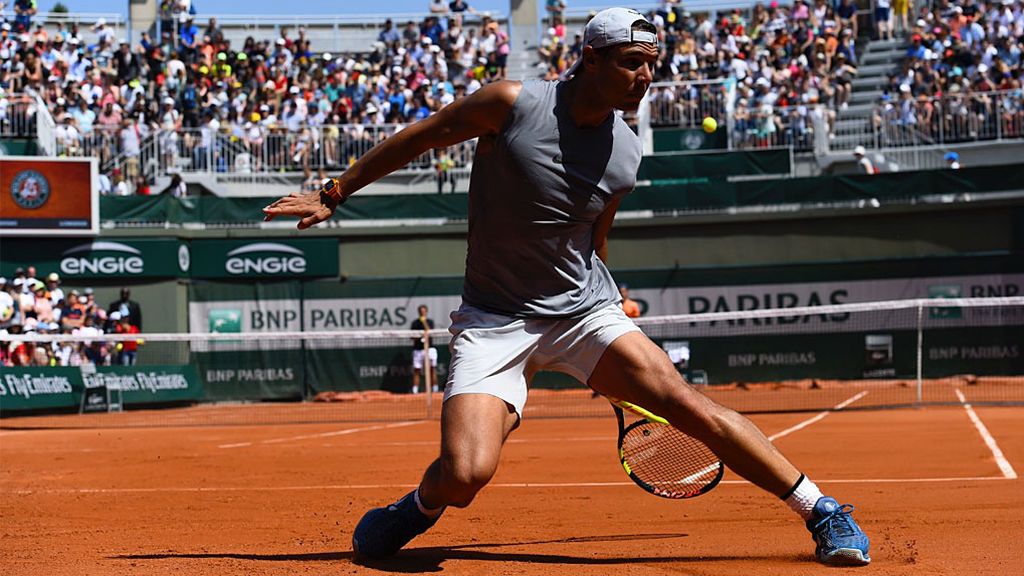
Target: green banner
120, 258
248, 370
39, 387
882, 354
149, 384
677, 139
694, 190
229, 372
684, 167
265, 259
214, 209
893, 186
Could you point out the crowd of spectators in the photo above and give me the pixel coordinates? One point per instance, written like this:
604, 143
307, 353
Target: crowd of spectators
961, 77
785, 60
30, 305
273, 99
273, 103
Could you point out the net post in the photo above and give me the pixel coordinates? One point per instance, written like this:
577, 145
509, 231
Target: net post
920, 352
428, 376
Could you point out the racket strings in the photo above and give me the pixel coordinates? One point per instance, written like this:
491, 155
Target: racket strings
668, 460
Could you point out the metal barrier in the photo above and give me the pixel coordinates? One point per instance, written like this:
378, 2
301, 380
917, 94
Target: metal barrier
686, 104
950, 119
17, 115
240, 150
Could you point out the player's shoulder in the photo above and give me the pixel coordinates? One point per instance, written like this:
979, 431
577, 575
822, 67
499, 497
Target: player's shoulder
502, 92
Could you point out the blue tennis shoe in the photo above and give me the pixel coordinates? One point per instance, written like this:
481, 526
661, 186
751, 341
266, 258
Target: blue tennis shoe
383, 531
840, 541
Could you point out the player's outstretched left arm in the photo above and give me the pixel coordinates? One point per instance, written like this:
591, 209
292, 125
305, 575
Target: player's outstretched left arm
481, 114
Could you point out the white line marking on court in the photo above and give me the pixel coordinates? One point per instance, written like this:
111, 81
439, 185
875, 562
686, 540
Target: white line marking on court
819, 416
1004, 465
324, 434
257, 488
606, 438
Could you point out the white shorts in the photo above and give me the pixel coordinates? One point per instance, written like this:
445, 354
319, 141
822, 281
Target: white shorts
498, 355
417, 358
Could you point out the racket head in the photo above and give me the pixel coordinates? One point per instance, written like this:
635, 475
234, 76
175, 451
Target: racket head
665, 461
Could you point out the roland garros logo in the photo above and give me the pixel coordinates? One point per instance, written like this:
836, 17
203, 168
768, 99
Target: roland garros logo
30, 189
101, 258
266, 258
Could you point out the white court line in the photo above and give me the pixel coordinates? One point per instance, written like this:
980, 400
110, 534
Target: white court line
323, 434
818, 417
606, 438
1004, 465
258, 488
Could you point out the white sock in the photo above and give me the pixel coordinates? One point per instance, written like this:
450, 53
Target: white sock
803, 497
428, 512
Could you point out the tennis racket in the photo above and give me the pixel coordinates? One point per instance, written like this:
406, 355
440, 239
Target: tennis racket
661, 459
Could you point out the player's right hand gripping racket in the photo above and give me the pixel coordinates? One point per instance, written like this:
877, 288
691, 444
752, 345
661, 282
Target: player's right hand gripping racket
661, 459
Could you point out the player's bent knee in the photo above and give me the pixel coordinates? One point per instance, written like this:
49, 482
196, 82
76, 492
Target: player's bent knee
462, 479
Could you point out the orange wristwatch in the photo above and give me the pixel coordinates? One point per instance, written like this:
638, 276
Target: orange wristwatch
330, 193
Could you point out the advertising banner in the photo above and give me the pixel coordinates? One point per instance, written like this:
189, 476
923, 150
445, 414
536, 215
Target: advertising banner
148, 384
292, 259
27, 388
49, 196
89, 388
122, 258
842, 346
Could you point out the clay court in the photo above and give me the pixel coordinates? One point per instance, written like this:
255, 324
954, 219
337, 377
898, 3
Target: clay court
935, 495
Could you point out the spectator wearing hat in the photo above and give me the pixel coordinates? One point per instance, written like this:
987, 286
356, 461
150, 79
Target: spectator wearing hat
54, 289
42, 307
19, 279
864, 165
118, 186
27, 297
952, 160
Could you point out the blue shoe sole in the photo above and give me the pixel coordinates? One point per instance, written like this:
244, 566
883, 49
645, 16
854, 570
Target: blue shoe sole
845, 557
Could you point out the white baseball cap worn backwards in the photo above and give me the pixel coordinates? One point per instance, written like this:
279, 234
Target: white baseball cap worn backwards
610, 27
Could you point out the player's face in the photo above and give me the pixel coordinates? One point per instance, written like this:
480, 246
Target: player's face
626, 72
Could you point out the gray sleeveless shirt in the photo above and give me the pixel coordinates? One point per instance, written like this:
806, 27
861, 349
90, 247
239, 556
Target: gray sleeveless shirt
534, 197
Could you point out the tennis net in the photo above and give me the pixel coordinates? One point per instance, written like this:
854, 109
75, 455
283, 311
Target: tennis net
823, 357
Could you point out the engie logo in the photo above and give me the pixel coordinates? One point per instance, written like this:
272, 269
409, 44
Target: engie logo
122, 259
266, 258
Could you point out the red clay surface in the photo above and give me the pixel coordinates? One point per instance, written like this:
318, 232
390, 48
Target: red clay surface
283, 500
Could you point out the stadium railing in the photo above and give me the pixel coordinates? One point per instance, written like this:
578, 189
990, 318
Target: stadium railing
860, 355
18, 115
326, 33
949, 119
230, 150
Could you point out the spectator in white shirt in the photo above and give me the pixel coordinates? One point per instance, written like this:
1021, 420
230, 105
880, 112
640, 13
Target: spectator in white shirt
864, 165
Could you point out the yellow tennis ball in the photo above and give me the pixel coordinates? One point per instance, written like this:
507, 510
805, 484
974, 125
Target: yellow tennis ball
710, 125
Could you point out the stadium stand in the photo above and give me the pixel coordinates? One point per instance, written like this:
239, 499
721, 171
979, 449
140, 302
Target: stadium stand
302, 96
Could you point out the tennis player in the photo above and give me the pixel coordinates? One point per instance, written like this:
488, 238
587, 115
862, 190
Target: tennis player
552, 163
